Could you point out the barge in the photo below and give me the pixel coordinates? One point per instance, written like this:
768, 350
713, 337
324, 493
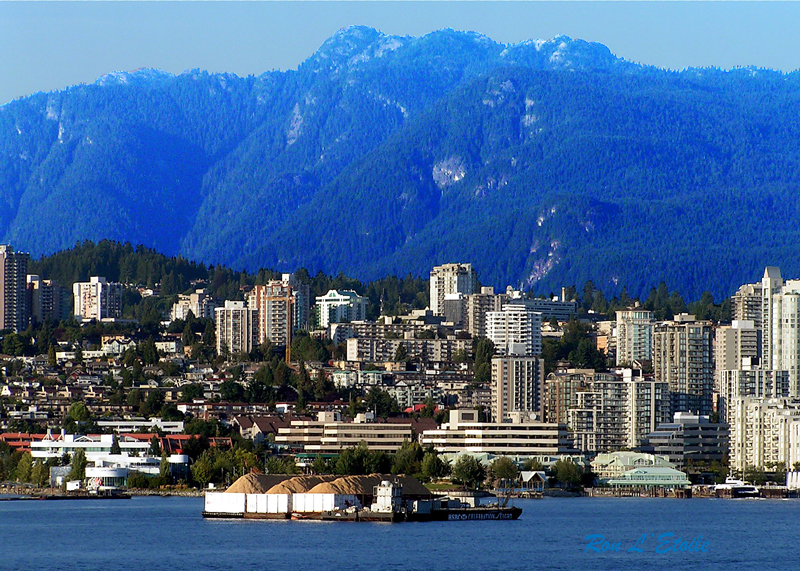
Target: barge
388, 505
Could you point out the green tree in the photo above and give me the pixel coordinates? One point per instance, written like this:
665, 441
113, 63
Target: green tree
191, 391
79, 462
134, 398
503, 470
115, 449
78, 412
408, 459
40, 474
152, 404
164, 468
532, 465
231, 391
567, 473
381, 402
468, 472
434, 467
484, 351
24, 468
155, 446
320, 466
188, 337
203, 469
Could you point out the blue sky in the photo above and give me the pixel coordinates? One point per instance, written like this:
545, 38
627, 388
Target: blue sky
52, 45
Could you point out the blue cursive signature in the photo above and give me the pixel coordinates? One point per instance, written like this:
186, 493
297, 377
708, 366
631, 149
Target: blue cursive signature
665, 543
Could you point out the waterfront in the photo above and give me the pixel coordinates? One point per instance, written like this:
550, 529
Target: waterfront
169, 533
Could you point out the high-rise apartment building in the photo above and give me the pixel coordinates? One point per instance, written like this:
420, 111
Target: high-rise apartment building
47, 300
97, 299
451, 278
780, 347
14, 311
237, 328
764, 432
634, 339
682, 359
771, 286
517, 386
733, 343
615, 411
273, 303
561, 392
747, 304
301, 304
477, 305
748, 380
515, 330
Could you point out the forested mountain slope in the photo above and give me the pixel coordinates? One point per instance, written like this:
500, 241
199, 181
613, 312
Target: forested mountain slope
543, 163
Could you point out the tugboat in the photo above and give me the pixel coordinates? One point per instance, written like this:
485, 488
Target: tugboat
388, 507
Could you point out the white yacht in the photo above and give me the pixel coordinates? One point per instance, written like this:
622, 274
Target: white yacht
735, 488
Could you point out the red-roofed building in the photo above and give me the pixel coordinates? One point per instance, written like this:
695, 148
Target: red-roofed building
20, 441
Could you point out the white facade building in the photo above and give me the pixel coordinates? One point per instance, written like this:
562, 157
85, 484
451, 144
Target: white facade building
237, 328
764, 432
97, 299
200, 304
781, 322
521, 437
749, 380
340, 307
515, 330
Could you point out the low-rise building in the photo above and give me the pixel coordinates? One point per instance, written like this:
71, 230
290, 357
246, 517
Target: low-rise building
689, 441
329, 435
649, 478
612, 465
373, 350
520, 437
139, 424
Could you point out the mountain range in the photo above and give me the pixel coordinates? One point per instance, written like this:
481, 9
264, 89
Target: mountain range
544, 163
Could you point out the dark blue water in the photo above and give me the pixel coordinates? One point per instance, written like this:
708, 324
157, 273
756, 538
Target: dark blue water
169, 533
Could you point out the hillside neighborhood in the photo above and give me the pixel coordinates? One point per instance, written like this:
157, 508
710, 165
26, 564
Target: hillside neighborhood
298, 382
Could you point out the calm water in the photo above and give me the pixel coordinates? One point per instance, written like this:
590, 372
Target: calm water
169, 533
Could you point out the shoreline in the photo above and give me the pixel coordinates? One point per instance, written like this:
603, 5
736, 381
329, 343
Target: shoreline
24, 492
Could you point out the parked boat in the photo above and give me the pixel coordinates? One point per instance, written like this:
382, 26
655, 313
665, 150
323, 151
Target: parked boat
734, 488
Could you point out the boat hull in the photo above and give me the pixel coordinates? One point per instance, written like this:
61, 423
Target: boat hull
468, 514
